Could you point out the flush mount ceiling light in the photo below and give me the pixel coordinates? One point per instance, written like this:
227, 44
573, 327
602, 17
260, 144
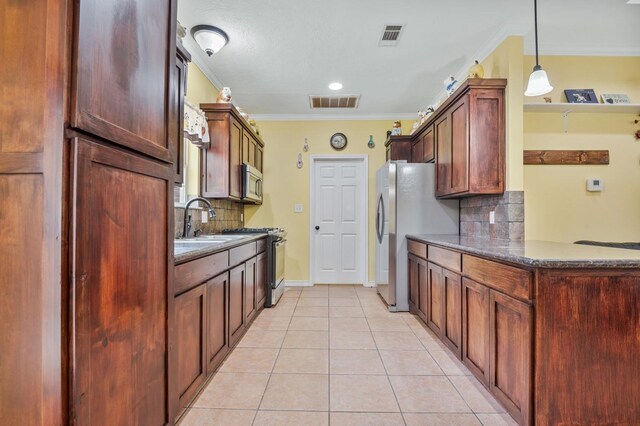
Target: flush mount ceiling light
210, 39
335, 86
538, 81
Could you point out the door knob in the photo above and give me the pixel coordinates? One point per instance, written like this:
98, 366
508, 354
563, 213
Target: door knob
317, 228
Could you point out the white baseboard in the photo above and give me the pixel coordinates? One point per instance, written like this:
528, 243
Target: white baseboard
292, 283
370, 284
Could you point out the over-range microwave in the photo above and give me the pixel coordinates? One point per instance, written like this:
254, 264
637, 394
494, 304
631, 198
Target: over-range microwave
251, 183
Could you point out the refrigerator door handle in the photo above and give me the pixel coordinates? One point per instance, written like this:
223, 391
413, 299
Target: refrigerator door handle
380, 219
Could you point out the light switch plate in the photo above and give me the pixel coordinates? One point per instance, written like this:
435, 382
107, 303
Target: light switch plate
205, 216
492, 217
297, 208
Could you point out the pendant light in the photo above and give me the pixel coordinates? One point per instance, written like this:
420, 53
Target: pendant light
538, 81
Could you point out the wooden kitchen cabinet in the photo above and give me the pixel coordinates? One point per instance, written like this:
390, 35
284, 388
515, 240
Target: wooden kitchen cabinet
178, 90
261, 279
232, 143
452, 330
237, 304
250, 289
398, 148
510, 352
475, 329
122, 304
470, 139
436, 299
191, 329
119, 90
217, 321
422, 150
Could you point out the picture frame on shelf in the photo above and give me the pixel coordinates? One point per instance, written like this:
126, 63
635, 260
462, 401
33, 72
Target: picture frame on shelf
615, 98
581, 96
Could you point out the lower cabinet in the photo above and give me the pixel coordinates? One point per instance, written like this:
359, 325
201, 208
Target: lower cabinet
475, 328
250, 289
190, 327
452, 330
436, 298
510, 354
261, 279
236, 303
418, 280
217, 314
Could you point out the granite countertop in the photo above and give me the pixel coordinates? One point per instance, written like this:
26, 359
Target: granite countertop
540, 254
194, 248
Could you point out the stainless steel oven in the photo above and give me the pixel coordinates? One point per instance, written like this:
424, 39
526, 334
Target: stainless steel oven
277, 285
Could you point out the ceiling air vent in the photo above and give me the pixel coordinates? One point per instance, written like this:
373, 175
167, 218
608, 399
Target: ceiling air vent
342, 101
390, 35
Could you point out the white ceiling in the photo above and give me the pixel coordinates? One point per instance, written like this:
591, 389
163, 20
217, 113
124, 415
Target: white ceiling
280, 51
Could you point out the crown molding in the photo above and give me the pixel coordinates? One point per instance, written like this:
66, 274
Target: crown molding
334, 117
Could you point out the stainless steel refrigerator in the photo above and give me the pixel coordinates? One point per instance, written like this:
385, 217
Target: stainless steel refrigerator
406, 204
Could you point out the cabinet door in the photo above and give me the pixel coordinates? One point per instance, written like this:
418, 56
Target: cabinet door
246, 147
428, 148
443, 153
190, 326
250, 289
475, 328
423, 289
236, 304
120, 304
414, 279
217, 314
176, 117
459, 131
261, 280
235, 159
452, 331
417, 152
510, 354
259, 158
122, 61
436, 299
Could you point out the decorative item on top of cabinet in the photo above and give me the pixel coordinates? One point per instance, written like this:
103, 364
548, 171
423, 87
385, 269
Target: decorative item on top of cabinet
233, 142
224, 96
476, 71
470, 140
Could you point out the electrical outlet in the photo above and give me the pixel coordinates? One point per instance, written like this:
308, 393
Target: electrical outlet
297, 208
241, 216
492, 217
205, 216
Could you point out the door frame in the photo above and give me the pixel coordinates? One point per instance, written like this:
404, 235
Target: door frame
314, 161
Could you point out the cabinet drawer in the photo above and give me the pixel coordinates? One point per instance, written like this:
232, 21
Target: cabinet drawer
512, 281
419, 249
190, 274
261, 245
239, 254
446, 258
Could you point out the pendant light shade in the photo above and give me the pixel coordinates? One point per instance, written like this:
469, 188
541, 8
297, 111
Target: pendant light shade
538, 81
210, 39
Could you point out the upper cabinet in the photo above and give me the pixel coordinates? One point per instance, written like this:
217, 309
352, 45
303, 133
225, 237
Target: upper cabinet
177, 91
233, 142
121, 54
470, 140
398, 148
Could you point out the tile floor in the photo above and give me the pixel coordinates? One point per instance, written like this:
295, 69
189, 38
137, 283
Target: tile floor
334, 355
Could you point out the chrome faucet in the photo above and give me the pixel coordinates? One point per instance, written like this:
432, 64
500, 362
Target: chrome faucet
187, 221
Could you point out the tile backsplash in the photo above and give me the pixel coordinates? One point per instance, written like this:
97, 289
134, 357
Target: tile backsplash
228, 215
509, 216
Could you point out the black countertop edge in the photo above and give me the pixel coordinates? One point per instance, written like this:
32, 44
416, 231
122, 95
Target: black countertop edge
203, 249
538, 254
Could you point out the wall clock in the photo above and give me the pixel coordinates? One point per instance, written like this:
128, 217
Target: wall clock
338, 141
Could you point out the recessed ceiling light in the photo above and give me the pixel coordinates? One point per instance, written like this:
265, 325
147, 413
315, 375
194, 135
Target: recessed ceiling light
335, 86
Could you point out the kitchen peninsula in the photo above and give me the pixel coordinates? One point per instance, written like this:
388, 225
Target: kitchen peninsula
552, 329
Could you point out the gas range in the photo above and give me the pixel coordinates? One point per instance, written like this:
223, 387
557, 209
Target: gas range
274, 232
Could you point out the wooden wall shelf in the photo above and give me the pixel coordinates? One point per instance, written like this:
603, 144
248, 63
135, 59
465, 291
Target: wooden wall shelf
559, 157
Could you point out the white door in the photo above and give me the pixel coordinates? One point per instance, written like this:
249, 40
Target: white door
338, 221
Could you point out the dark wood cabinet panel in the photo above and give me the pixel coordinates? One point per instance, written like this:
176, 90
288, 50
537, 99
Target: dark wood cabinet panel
423, 289
236, 304
259, 158
232, 143
120, 290
428, 147
190, 326
177, 91
510, 354
443, 154
261, 279
475, 328
414, 280
250, 290
436, 299
398, 148
459, 140
416, 151
119, 89
217, 320
452, 330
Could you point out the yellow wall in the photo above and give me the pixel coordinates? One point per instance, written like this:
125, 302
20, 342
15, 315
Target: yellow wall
199, 90
286, 185
506, 62
557, 205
